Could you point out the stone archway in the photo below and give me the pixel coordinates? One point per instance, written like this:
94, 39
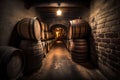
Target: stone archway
59, 30
58, 26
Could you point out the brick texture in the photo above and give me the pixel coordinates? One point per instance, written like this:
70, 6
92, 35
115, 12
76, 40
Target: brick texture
107, 35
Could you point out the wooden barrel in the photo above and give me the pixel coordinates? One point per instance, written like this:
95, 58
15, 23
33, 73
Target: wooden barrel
11, 63
43, 36
44, 44
70, 33
70, 44
29, 28
50, 44
46, 27
43, 31
43, 26
49, 35
80, 29
34, 54
79, 51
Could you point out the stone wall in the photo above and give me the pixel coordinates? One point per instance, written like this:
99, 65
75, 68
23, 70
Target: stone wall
11, 11
105, 24
55, 21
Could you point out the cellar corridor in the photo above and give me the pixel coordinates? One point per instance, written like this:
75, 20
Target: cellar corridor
59, 39
58, 65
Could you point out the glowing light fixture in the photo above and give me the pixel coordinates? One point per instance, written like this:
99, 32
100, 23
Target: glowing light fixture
59, 12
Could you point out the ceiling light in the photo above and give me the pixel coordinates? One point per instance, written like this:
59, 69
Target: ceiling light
59, 12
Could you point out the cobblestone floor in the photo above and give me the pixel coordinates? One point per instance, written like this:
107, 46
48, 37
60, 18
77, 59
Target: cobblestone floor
58, 65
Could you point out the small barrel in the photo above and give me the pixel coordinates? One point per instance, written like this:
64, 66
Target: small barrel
43, 31
43, 36
44, 44
70, 45
80, 29
43, 26
29, 28
49, 35
50, 44
34, 54
46, 27
79, 51
11, 63
70, 33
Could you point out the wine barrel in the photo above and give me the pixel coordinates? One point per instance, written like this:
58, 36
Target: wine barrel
43, 29
11, 63
70, 33
34, 54
70, 45
49, 35
80, 29
43, 36
46, 27
29, 28
44, 44
79, 51
43, 26
50, 44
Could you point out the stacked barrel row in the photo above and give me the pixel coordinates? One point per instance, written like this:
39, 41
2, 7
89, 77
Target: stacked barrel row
77, 40
46, 38
37, 40
29, 29
44, 29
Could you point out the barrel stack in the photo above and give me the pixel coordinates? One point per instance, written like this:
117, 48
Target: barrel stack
44, 29
78, 44
30, 30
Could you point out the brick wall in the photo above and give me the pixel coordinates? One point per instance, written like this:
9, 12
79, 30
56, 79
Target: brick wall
11, 11
105, 24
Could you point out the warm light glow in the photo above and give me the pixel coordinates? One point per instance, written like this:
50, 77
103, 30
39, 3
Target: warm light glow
59, 12
57, 34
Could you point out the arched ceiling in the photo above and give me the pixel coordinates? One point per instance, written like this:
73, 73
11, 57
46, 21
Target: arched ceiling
58, 26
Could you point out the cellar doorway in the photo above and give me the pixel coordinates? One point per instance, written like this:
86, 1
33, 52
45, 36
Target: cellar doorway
59, 31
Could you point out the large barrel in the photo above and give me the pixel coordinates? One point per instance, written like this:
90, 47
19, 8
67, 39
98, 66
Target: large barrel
11, 63
79, 51
33, 54
80, 29
44, 44
70, 33
29, 28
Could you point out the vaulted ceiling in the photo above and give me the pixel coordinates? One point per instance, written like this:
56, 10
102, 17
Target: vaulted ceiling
70, 8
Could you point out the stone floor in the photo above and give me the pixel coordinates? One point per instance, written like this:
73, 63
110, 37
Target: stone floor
58, 65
